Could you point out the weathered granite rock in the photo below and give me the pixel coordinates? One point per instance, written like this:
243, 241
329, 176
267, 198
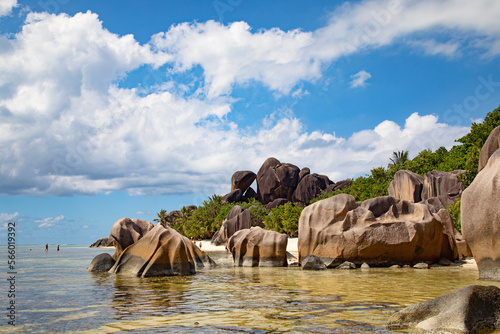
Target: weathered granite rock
439, 202
312, 262
277, 202
343, 184
480, 215
237, 219
468, 310
101, 263
347, 265
365, 266
444, 262
462, 245
173, 214
242, 180
490, 146
233, 197
250, 193
379, 231
103, 242
407, 186
303, 172
256, 247
324, 181
127, 231
161, 252
421, 265
308, 187
438, 183
276, 180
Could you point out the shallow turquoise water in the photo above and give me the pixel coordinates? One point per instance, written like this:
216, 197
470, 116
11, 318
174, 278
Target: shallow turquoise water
55, 293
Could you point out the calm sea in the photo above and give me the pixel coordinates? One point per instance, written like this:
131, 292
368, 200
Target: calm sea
55, 293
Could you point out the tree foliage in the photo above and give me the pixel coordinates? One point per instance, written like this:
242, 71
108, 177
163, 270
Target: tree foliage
284, 219
207, 219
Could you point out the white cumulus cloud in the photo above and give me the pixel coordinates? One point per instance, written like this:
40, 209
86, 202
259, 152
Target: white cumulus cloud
359, 79
234, 54
6, 7
66, 126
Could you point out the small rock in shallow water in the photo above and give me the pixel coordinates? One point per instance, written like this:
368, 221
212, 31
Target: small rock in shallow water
347, 265
444, 262
365, 266
468, 310
421, 265
101, 263
396, 266
312, 262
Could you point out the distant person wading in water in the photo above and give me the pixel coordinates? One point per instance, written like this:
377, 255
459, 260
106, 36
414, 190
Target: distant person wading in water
46, 247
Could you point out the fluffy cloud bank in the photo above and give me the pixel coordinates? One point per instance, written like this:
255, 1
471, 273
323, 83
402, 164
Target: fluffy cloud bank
66, 126
6, 7
233, 54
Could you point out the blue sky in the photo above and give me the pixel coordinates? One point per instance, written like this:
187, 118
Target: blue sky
113, 109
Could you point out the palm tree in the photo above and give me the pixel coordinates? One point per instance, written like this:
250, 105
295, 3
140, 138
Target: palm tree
163, 218
399, 157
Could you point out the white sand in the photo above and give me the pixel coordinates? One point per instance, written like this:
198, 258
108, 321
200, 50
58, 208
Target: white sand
207, 246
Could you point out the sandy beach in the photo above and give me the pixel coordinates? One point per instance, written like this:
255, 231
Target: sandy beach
207, 246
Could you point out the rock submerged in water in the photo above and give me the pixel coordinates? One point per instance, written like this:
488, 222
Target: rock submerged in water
101, 263
161, 252
256, 247
312, 262
379, 231
127, 231
468, 310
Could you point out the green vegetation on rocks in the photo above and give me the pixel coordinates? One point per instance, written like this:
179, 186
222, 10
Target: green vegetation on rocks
284, 219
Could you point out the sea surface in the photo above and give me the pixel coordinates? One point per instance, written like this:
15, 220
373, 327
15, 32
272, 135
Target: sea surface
56, 294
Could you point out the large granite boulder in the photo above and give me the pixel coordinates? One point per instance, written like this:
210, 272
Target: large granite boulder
103, 242
101, 263
242, 180
277, 202
237, 219
462, 246
303, 172
490, 146
161, 252
407, 186
480, 215
438, 183
256, 247
126, 231
233, 197
308, 187
380, 231
276, 180
250, 193
468, 310
340, 185
439, 202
